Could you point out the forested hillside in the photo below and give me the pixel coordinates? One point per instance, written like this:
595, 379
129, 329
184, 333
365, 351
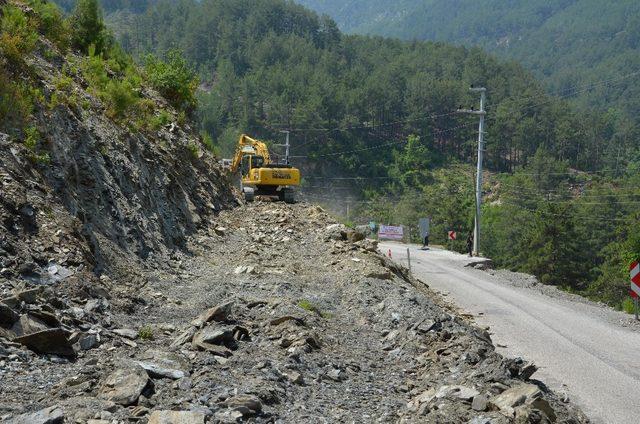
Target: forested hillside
376, 117
274, 65
564, 42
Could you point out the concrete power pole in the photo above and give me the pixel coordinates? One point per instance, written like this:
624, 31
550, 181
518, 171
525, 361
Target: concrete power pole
482, 113
287, 145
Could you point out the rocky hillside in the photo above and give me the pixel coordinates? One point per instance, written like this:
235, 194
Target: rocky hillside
89, 198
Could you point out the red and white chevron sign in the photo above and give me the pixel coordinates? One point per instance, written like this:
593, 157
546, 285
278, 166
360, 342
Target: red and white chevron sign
634, 273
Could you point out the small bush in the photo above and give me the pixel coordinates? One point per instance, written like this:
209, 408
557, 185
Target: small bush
51, 23
627, 305
31, 138
308, 306
18, 35
120, 97
63, 83
145, 333
16, 104
209, 144
159, 121
94, 70
194, 150
174, 79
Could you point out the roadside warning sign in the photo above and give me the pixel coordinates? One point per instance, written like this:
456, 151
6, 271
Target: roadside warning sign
634, 273
452, 235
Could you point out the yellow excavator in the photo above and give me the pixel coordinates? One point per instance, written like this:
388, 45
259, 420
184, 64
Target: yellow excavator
259, 176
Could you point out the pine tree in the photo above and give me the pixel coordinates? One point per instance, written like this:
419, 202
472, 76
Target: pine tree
88, 27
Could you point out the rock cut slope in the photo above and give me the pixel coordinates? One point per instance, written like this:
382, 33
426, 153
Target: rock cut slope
87, 200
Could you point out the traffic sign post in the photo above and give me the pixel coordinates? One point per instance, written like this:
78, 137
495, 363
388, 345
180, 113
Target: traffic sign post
634, 274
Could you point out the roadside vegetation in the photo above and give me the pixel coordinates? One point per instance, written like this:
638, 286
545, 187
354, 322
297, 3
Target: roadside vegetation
572, 229
91, 55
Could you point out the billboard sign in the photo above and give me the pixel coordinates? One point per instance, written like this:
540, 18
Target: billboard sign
389, 232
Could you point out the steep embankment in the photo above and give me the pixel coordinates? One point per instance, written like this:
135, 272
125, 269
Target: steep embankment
88, 198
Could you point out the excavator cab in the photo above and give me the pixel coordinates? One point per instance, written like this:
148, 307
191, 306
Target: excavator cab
250, 162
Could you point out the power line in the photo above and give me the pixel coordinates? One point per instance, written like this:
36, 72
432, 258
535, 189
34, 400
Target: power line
369, 126
379, 145
579, 88
594, 217
634, 191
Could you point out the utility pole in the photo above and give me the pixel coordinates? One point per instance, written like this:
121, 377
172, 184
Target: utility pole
482, 113
287, 145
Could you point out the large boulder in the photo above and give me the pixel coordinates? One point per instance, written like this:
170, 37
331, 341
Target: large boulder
8, 316
28, 324
521, 400
124, 386
176, 417
218, 313
159, 364
245, 404
51, 415
54, 341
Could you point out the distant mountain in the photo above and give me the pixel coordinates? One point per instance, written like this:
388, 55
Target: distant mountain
565, 42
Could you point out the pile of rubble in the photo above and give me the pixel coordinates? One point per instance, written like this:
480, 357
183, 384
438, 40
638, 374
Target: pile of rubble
278, 314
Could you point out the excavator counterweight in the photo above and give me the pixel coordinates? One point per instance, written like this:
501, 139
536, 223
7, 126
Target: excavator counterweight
259, 176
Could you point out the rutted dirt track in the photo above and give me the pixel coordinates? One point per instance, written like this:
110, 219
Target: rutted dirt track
277, 315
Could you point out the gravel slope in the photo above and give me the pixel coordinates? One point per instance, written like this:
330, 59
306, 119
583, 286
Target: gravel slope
278, 315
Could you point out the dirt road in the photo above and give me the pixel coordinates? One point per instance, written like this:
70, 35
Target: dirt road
583, 349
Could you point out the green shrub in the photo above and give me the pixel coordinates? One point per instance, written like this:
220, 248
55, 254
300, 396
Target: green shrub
194, 150
174, 79
51, 23
31, 138
627, 305
145, 333
18, 35
308, 306
16, 104
88, 27
63, 83
120, 97
159, 121
209, 144
94, 70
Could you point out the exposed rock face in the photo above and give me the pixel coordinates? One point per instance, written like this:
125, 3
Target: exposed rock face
112, 197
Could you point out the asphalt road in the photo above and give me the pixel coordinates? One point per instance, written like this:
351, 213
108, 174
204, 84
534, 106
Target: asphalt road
581, 348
